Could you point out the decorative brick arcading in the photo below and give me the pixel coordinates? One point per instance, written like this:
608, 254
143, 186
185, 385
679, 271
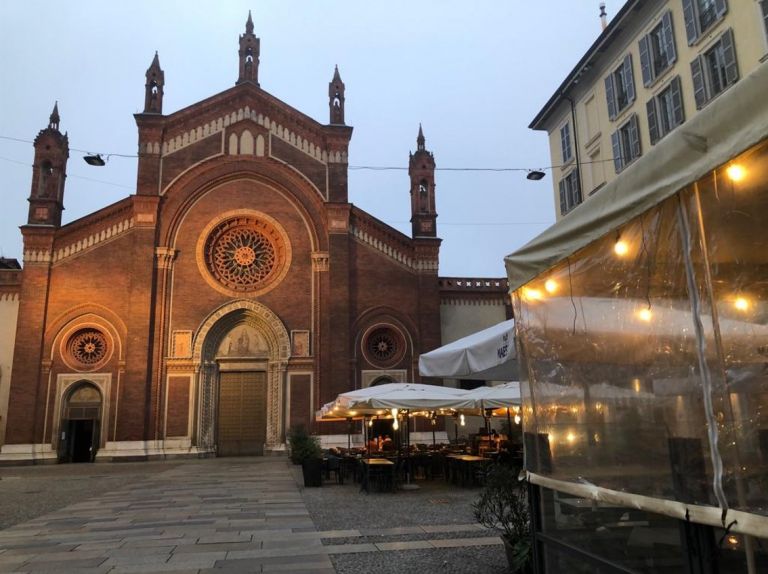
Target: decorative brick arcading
37, 256
96, 238
303, 144
473, 291
395, 245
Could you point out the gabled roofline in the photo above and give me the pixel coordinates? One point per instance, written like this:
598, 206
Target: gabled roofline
180, 114
603, 40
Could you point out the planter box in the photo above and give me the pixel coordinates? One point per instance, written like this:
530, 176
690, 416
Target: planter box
312, 469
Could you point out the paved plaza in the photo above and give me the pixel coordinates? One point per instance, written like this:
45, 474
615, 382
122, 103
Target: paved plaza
231, 515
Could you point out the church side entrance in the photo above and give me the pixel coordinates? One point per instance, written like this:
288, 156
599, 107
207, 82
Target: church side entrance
242, 417
80, 425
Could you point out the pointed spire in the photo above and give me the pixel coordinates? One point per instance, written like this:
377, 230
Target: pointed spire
249, 55
420, 141
336, 98
54, 119
153, 88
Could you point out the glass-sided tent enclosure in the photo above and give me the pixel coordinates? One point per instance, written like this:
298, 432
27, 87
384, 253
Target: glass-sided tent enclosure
642, 333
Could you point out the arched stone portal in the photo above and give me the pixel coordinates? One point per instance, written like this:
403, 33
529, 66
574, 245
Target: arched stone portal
242, 350
80, 423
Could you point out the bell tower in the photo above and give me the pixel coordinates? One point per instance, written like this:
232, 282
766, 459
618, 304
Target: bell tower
421, 168
249, 55
46, 198
153, 94
336, 98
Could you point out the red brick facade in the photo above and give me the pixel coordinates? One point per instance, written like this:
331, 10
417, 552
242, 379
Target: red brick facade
137, 281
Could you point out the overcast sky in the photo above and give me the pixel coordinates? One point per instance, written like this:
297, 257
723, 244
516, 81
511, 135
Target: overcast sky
473, 73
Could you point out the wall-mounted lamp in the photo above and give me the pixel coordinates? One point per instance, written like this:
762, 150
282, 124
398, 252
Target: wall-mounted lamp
94, 159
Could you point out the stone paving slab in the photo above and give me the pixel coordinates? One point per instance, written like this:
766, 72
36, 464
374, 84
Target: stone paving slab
230, 515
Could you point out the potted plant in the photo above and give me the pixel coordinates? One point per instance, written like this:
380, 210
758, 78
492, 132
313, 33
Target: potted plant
306, 451
503, 507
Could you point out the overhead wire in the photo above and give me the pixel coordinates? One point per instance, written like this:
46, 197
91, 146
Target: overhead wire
381, 167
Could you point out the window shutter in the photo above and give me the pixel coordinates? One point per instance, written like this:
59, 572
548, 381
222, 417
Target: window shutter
729, 54
699, 89
563, 202
689, 15
653, 124
645, 61
721, 7
576, 187
764, 5
565, 142
618, 162
629, 80
668, 32
634, 136
610, 97
678, 113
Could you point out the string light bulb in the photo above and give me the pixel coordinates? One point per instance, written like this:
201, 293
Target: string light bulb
645, 315
550, 286
741, 303
461, 419
620, 248
736, 172
395, 425
531, 294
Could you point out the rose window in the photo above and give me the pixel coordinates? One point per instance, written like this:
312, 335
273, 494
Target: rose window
383, 345
88, 346
243, 254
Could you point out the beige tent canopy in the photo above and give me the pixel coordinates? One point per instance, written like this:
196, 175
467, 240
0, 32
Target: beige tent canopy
734, 121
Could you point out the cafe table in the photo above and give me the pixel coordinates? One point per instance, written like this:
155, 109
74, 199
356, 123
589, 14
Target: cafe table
379, 472
462, 469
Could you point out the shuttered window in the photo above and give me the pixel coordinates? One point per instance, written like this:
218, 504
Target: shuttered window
715, 70
620, 88
625, 143
764, 7
565, 142
665, 111
657, 50
570, 192
700, 15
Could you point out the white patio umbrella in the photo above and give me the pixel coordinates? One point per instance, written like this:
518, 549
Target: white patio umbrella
487, 355
498, 397
410, 396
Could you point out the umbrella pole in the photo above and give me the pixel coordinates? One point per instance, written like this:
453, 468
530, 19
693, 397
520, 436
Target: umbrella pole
509, 424
433, 422
408, 460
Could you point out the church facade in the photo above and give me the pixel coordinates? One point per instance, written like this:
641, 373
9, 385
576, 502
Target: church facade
226, 300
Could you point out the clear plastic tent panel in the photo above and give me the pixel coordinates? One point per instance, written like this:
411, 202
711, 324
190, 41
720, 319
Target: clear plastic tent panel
646, 353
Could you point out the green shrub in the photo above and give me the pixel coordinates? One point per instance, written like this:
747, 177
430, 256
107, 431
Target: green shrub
303, 445
503, 507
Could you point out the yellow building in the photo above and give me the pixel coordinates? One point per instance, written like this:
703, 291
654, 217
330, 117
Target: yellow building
657, 64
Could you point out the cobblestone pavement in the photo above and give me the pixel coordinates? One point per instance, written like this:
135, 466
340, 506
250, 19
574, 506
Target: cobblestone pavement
230, 515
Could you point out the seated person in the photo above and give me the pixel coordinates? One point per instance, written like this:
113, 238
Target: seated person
387, 444
495, 440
